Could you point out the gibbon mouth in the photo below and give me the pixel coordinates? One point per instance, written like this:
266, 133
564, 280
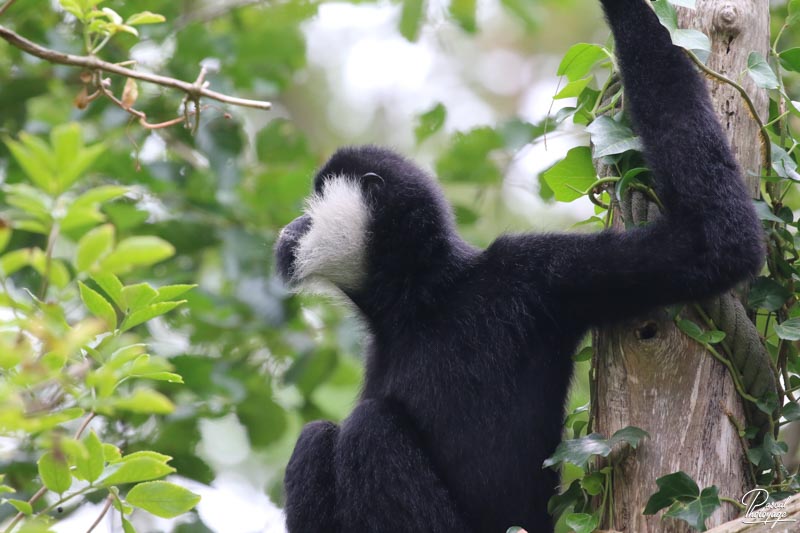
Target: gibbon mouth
286, 247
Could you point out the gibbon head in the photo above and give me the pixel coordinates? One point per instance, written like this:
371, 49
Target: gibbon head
373, 218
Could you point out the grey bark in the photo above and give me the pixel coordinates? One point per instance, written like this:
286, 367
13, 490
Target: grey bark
648, 373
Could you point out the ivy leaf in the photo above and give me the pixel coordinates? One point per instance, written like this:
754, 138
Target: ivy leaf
579, 60
98, 305
761, 73
789, 329
162, 498
698, 510
791, 411
765, 213
630, 435
768, 294
611, 137
579, 451
697, 333
54, 472
573, 88
582, 522
570, 177
689, 4
673, 487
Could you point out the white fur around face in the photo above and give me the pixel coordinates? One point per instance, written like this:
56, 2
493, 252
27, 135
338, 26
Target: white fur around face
334, 248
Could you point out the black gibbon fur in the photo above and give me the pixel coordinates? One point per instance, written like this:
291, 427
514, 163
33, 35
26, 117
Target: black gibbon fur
469, 357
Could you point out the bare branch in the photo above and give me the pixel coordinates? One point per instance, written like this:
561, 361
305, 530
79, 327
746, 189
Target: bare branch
5, 6
194, 91
213, 12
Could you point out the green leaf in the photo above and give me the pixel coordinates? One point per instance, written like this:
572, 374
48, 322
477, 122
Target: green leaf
463, 12
162, 498
21, 506
689, 4
469, 160
127, 527
610, 137
84, 210
5, 235
145, 401
791, 411
794, 13
570, 178
36, 160
582, 523
430, 122
579, 60
111, 453
170, 292
790, 59
666, 15
671, 488
579, 451
789, 329
764, 212
145, 17
411, 18
697, 333
573, 88
111, 285
98, 305
31, 200
767, 294
93, 246
593, 483
91, 467
697, 511
694, 40
135, 297
54, 472
630, 435
146, 313
761, 73
134, 471
137, 252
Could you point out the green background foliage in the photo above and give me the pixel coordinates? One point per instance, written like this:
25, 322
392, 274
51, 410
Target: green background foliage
147, 349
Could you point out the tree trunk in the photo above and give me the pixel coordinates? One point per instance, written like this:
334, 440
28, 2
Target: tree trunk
651, 375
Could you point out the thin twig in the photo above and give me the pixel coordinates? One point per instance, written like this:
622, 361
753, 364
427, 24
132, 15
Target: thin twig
93, 63
106, 507
5, 6
212, 12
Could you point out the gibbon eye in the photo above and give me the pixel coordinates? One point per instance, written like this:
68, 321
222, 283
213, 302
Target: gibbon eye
370, 178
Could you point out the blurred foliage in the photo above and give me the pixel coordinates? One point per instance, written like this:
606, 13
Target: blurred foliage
138, 297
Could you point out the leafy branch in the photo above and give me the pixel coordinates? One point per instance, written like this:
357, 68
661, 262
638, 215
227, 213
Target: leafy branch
193, 91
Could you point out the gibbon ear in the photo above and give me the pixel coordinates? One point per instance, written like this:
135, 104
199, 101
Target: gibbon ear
372, 180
